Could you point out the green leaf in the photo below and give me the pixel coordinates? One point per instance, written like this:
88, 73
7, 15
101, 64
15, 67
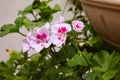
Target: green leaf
46, 13
109, 74
94, 40
36, 4
2, 77
51, 73
93, 76
65, 52
72, 78
40, 23
57, 8
28, 68
70, 9
35, 57
15, 57
29, 24
47, 1
106, 63
79, 59
27, 10
19, 21
68, 71
117, 76
20, 78
8, 28
6, 71
2, 67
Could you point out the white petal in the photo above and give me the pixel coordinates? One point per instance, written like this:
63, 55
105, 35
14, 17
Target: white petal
26, 46
47, 25
37, 47
58, 42
47, 44
54, 28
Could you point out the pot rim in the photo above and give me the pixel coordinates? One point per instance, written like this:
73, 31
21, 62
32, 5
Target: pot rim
101, 4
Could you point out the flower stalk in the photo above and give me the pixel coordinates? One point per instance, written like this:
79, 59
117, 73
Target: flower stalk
65, 7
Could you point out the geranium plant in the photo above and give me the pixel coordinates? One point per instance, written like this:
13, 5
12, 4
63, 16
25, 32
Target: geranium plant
63, 49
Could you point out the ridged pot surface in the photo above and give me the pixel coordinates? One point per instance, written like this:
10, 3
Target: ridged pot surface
105, 18
108, 1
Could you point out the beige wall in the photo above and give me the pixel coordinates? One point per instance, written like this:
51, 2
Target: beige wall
8, 13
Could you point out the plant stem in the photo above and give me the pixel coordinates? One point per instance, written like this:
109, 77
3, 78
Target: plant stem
25, 55
22, 34
31, 77
65, 7
82, 56
87, 63
34, 16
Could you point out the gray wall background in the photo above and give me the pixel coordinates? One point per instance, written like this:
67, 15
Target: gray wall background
8, 13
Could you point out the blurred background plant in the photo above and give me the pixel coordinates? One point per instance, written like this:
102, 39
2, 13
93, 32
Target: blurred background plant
85, 55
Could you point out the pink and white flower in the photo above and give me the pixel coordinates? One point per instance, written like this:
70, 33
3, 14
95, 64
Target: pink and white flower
26, 46
77, 25
44, 36
39, 38
59, 33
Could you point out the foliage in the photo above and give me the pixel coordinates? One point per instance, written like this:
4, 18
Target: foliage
84, 56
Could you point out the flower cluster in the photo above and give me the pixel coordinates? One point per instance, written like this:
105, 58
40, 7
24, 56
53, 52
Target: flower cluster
48, 34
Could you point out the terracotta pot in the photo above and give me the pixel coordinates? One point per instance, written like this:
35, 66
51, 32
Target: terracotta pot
104, 15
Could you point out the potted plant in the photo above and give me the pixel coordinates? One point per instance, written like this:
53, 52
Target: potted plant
104, 16
64, 50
